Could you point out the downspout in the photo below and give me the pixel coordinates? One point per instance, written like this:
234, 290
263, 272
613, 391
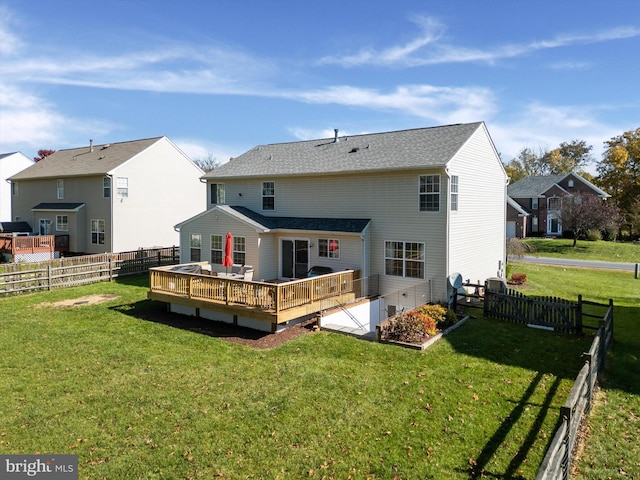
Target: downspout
111, 236
502, 269
448, 223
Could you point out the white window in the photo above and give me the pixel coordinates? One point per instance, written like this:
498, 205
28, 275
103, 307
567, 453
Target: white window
404, 259
106, 187
195, 243
62, 223
217, 252
534, 223
97, 232
329, 248
123, 187
268, 195
217, 193
60, 188
534, 203
454, 192
429, 192
554, 203
239, 250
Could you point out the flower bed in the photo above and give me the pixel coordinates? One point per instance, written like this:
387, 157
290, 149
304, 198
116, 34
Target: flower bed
416, 327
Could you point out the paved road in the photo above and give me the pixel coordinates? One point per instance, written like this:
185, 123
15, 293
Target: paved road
570, 262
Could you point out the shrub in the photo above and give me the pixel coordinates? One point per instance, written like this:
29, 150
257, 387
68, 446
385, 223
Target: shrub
594, 235
416, 325
518, 278
404, 328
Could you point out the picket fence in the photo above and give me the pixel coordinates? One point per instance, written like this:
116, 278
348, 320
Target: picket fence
561, 452
72, 271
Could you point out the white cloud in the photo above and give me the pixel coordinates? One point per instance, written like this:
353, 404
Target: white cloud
10, 44
440, 104
414, 53
199, 149
30, 121
539, 126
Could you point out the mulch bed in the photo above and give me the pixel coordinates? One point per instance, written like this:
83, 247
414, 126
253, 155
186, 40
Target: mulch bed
226, 331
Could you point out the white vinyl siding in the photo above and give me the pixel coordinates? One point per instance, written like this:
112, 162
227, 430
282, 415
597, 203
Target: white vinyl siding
478, 229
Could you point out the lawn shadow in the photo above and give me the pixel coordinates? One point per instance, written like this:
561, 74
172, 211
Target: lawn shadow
157, 312
622, 364
542, 352
154, 311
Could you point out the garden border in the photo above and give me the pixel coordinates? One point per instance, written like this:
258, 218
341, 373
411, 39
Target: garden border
424, 345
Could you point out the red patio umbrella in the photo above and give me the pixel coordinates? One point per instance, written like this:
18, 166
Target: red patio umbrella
227, 261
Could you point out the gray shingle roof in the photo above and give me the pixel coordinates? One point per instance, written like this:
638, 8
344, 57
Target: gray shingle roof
82, 161
404, 149
533, 186
11, 227
57, 206
347, 225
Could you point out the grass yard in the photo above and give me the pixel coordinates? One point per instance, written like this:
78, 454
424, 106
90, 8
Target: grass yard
138, 399
612, 449
586, 250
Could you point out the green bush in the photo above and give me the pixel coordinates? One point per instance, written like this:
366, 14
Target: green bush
594, 235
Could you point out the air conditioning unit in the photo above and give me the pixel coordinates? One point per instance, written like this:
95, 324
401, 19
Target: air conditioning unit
496, 284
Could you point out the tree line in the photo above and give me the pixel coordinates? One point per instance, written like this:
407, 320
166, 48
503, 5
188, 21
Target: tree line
617, 173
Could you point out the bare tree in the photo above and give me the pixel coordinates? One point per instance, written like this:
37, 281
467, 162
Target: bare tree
207, 163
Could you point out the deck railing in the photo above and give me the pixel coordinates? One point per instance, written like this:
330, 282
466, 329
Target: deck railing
22, 244
267, 296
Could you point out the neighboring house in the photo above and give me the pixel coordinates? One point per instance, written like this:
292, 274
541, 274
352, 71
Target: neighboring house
536, 202
517, 218
110, 198
10, 164
408, 207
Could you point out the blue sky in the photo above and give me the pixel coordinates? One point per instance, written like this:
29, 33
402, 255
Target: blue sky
219, 77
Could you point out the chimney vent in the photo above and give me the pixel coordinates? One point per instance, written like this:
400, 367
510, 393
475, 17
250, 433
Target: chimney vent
335, 138
91, 145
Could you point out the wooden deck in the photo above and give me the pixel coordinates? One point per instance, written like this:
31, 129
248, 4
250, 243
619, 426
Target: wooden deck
25, 244
275, 303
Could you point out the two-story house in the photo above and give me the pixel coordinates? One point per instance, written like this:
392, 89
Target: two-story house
536, 201
407, 207
112, 197
10, 164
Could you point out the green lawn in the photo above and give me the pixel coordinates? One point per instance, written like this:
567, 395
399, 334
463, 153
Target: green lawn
612, 449
137, 399
586, 250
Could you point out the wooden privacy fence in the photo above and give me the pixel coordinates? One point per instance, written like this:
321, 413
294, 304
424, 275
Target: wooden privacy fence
549, 312
72, 271
560, 454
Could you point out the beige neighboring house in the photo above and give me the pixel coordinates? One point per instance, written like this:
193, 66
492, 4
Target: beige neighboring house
110, 198
10, 164
406, 209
